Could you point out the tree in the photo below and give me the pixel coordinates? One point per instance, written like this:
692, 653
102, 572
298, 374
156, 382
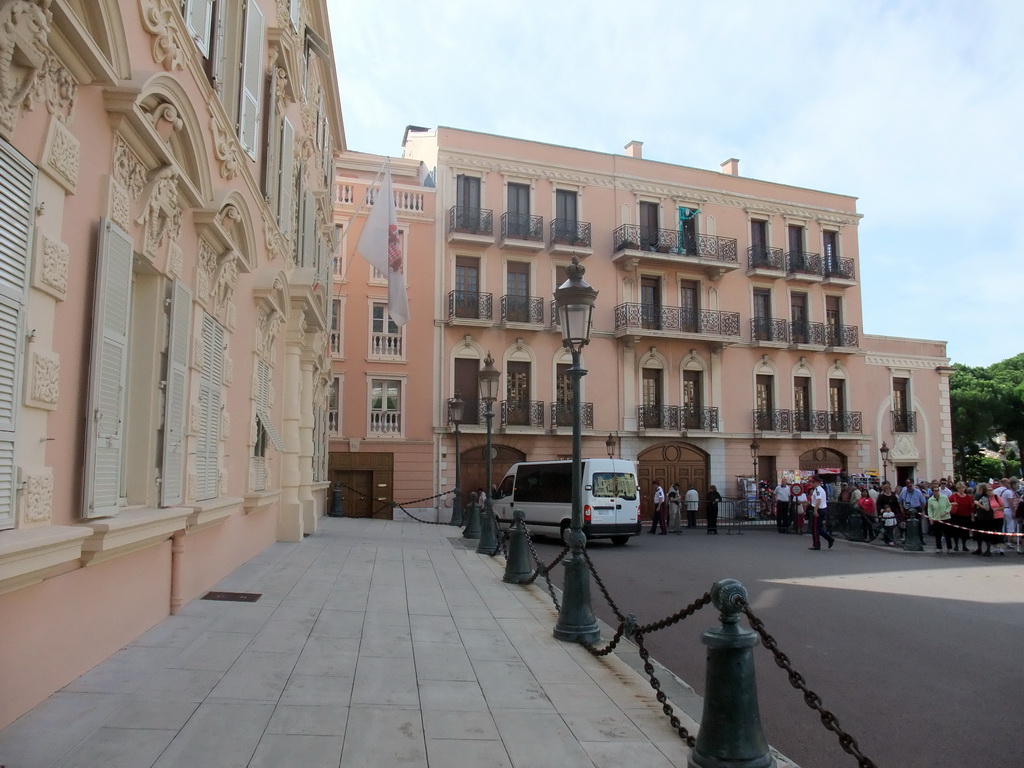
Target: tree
986, 402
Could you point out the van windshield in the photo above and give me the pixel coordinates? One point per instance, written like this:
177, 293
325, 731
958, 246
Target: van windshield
620, 485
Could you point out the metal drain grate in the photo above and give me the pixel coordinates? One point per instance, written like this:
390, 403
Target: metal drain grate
233, 597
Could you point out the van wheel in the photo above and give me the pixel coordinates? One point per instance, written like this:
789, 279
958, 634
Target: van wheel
562, 531
618, 541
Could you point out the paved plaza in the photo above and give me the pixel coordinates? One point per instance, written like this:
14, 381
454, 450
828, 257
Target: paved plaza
373, 643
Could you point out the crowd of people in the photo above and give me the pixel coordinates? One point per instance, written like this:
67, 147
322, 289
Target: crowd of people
955, 513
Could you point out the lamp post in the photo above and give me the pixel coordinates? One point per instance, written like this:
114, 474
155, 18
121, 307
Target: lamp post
884, 450
610, 445
754, 448
487, 379
574, 300
456, 408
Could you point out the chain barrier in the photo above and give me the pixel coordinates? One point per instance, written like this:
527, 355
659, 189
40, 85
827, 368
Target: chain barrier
544, 570
813, 700
395, 504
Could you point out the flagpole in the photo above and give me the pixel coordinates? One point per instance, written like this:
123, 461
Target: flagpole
362, 205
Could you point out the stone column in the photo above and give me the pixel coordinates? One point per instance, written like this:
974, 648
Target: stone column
306, 430
290, 522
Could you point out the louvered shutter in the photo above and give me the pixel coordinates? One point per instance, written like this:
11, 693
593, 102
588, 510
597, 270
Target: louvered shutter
198, 19
307, 255
174, 394
252, 80
109, 369
208, 452
294, 12
286, 183
17, 192
263, 404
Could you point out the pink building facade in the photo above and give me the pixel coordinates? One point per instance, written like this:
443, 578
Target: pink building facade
165, 246
729, 311
383, 440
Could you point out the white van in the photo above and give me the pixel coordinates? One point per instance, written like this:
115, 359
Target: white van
543, 490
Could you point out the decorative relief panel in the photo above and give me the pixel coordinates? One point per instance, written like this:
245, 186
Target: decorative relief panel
129, 179
168, 45
229, 370
195, 418
62, 154
225, 425
224, 285
44, 388
206, 271
904, 448
23, 57
225, 146
162, 215
191, 481
175, 260
51, 267
60, 91
37, 497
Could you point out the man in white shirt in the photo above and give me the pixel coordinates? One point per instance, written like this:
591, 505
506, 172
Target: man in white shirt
819, 515
692, 501
658, 509
944, 488
1009, 499
782, 507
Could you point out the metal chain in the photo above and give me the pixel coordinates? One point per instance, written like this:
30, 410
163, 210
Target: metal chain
659, 694
604, 589
544, 570
675, 618
813, 700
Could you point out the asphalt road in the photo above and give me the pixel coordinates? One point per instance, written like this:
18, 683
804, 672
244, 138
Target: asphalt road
919, 655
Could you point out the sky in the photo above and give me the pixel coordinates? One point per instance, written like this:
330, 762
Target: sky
915, 107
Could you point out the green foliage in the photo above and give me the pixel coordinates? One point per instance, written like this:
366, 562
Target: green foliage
986, 402
982, 468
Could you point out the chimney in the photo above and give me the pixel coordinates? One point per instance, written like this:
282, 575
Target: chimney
731, 167
635, 149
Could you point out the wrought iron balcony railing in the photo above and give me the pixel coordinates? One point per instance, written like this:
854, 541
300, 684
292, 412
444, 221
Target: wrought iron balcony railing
561, 414
844, 421
677, 319
803, 263
767, 420
841, 335
522, 226
905, 421
570, 232
806, 421
804, 332
522, 413
635, 237
677, 418
765, 258
522, 309
769, 329
470, 305
472, 221
842, 268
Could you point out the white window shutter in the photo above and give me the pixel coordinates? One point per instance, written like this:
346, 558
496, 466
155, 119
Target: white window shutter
198, 19
208, 453
286, 184
263, 404
252, 80
294, 12
17, 214
109, 368
308, 254
175, 392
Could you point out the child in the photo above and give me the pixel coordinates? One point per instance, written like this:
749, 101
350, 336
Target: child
798, 503
889, 526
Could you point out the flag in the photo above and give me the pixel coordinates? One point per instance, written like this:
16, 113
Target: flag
379, 245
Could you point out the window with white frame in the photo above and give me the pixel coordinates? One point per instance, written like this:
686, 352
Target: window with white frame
265, 432
17, 201
386, 407
386, 338
336, 327
210, 404
334, 407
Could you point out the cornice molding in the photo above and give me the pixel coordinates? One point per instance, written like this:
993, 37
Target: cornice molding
905, 361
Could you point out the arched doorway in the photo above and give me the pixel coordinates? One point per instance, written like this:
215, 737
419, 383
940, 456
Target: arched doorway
474, 466
672, 463
826, 462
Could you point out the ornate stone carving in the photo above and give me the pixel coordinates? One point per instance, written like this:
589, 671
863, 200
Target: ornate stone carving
231, 320
175, 260
268, 324
62, 154
45, 385
195, 418
197, 352
24, 28
225, 147
281, 90
158, 18
129, 179
225, 425
165, 112
224, 286
191, 481
229, 371
277, 246
37, 498
222, 488
206, 271
51, 273
903, 448
60, 91
162, 215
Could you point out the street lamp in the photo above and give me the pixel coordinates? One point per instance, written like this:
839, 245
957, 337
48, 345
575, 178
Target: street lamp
487, 379
884, 450
574, 301
610, 445
456, 408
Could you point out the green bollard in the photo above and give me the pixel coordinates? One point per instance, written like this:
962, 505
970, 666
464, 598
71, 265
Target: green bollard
517, 566
472, 530
855, 526
730, 733
913, 542
488, 544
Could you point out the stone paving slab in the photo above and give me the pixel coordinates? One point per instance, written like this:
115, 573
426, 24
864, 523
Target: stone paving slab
375, 643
